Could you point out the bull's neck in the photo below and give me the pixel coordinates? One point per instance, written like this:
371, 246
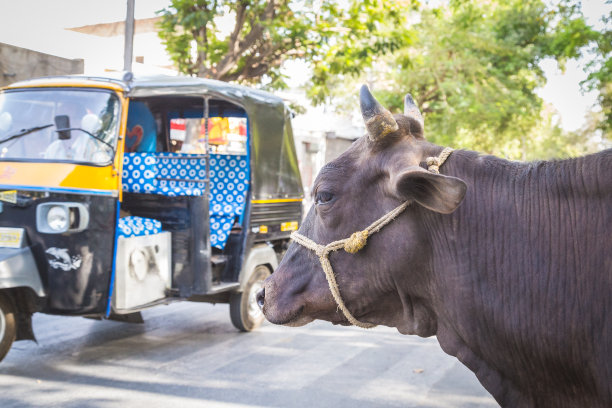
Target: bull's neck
470, 236
510, 205
512, 253
524, 223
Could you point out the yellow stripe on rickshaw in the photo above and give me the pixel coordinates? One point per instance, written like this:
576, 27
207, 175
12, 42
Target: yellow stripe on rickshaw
277, 200
16, 175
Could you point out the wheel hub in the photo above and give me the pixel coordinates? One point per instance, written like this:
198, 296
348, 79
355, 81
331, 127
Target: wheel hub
2, 324
254, 309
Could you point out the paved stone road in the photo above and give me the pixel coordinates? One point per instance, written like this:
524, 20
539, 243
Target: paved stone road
189, 355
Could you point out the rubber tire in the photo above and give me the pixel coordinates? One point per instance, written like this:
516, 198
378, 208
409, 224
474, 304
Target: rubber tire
10, 329
239, 302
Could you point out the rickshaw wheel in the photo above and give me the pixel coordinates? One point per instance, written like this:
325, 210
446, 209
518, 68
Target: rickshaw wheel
244, 311
8, 328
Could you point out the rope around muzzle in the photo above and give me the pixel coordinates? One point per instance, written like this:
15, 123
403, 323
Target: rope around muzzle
357, 241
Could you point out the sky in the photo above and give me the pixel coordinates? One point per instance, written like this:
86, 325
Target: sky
40, 25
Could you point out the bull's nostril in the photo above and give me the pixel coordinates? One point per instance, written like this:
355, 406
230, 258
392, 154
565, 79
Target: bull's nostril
261, 295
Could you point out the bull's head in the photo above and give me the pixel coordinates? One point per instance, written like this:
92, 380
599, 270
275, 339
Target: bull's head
388, 281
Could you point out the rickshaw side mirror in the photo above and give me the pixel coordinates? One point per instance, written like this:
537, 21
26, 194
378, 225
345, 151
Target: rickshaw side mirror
62, 124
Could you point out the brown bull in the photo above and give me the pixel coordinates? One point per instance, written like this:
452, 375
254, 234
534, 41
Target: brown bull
509, 264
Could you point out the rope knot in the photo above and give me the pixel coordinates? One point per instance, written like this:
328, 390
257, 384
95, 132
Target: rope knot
356, 241
434, 163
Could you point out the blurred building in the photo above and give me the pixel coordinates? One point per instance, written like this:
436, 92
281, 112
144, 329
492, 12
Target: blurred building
17, 64
321, 135
99, 47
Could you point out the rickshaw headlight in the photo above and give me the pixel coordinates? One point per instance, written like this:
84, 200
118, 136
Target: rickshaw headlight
57, 218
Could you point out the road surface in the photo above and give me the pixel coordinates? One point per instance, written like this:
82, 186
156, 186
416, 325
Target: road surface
189, 355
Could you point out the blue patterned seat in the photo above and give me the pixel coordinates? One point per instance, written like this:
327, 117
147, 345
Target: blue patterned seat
139, 173
229, 183
220, 227
138, 226
179, 174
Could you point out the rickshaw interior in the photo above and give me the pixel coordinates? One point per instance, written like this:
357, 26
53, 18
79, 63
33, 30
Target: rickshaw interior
165, 176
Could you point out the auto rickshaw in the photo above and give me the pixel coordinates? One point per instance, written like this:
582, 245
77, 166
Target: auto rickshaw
122, 193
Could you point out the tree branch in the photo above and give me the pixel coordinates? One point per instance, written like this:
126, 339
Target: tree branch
202, 51
233, 48
241, 47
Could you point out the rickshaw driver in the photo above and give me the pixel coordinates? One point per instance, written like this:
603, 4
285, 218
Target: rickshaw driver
79, 147
141, 133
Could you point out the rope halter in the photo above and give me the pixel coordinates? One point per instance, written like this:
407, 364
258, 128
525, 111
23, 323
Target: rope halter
357, 241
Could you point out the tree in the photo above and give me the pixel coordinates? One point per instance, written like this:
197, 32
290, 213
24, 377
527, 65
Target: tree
600, 77
473, 67
265, 33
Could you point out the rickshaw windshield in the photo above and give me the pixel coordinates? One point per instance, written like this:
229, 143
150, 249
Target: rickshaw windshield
68, 125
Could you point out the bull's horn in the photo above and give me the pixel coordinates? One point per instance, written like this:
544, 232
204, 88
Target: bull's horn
378, 120
412, 110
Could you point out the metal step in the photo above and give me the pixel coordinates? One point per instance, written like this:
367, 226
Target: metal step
172, 292
223, 287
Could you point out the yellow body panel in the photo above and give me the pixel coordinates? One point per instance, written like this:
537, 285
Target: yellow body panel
58, 175
278, 200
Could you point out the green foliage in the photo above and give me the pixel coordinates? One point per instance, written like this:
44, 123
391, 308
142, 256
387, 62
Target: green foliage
480, 72
336, 39
600, 77
352, 37
545, 140
473, 67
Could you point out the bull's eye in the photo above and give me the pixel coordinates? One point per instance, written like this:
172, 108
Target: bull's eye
323, 197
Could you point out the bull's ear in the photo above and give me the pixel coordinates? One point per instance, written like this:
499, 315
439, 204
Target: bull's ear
436, 192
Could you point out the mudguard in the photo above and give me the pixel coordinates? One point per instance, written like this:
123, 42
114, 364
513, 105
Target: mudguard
260, 254
18, 269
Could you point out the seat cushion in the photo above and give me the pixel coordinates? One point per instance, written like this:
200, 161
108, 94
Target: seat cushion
132, 226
